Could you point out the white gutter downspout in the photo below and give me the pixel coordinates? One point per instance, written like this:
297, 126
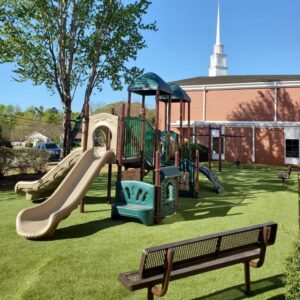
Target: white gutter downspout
253, 144
275, 101
204, 104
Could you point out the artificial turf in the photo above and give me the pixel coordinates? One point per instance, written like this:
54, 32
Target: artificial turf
88, 251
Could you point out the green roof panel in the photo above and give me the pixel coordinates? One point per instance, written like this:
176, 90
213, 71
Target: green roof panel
149, 84
177, 94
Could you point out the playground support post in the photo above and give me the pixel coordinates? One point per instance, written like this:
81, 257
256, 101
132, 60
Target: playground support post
157, 187
156, 144
169, 126
196, 189
180, 127
109, 173
121, 143
142, 144
189, 124
220, 150
85, 140
177, 181
209, 147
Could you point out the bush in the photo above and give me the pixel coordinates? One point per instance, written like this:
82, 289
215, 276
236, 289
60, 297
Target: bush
21, 160
28, 145
5, 143
27, 158
38, 159
292, 276
6, 158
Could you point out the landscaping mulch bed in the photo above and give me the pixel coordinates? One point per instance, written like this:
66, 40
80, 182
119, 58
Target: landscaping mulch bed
9, 181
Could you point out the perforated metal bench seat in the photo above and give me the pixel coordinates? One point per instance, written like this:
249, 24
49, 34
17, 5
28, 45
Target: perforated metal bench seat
135, 282
164, 263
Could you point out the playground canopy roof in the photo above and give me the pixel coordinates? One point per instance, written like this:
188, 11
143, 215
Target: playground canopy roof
177, 95
149, 84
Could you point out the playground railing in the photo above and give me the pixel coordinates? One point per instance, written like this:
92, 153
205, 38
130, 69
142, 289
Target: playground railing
133, 138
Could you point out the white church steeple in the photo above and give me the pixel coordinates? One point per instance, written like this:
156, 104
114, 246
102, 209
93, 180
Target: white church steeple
218, 60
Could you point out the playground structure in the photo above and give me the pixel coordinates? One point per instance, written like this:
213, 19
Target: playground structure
42, 220
145, 148
138, 148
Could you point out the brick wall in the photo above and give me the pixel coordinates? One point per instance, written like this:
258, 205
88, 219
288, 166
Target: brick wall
245, 105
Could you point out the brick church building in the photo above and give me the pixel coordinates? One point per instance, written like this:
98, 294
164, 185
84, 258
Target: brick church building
258, 116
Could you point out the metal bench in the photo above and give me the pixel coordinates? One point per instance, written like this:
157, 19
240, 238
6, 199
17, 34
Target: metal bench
135, 199
168, 262
283, 176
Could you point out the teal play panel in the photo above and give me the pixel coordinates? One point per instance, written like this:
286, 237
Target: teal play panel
168, 190
135, 199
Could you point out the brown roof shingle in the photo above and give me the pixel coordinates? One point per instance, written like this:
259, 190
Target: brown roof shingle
205, 80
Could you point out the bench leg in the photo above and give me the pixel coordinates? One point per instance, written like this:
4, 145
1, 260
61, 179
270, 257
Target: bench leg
247, 278
150, 296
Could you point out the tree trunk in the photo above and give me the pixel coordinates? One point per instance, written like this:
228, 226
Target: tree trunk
67, 129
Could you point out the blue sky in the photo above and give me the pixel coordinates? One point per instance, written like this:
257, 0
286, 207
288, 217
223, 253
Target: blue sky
259, 37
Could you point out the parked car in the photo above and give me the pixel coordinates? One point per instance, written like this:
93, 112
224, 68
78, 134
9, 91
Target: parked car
5, 143
52, 148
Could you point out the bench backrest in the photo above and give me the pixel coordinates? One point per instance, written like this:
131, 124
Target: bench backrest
197, 250
138, 193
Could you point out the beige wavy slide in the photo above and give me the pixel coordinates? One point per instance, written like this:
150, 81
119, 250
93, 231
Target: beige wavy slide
42, 220
45, 186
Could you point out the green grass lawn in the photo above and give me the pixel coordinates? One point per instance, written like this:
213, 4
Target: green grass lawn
88, 251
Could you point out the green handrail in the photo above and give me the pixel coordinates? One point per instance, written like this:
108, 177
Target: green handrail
133, 138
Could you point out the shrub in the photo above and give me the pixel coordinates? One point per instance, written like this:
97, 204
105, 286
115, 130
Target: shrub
5, 143
6, 158
21, 160
38, 159
292, 276
28, 145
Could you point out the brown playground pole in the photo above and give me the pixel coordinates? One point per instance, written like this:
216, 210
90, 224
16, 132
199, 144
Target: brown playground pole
109, 173
121, 142
177, 181
142, 144
220, 150
180, 127
196, 189
84, 141
209, 147
156, 144
157, 188
169, 127
189, 123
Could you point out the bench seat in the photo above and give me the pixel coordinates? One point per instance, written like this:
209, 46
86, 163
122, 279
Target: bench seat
135, 282
143, 213
164, 263
135, 199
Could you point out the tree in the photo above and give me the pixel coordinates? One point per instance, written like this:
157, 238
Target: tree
64, 44
17, 124
136, 109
